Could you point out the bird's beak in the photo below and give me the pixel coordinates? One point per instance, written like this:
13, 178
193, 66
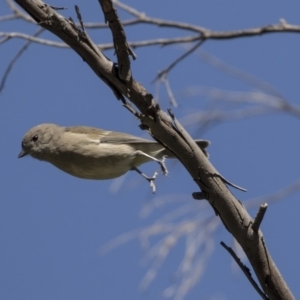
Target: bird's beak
22, 153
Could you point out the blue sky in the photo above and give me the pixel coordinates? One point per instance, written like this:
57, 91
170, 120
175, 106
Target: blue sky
53, 226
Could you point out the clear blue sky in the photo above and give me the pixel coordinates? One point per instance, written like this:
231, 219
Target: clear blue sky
52, 225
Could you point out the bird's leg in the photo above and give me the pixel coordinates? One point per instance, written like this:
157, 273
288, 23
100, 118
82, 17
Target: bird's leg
161, 162
150, 179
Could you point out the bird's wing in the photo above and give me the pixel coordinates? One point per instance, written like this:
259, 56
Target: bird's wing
121, 138
108, 136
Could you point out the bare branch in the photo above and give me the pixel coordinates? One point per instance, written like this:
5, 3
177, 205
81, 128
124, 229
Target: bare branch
179, 59
259, 216
142, 18
269, 103
172, 99
119, 37
109, 46
164, 226
8, 18
275, 197
18, 12
237, 73
14, 60
34, 39
245, 270
175, 225
174, 138
4, 40
283, 26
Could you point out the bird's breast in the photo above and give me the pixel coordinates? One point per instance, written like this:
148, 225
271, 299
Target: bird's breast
91, 161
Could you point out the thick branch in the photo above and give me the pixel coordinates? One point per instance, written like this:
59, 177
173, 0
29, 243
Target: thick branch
163, 129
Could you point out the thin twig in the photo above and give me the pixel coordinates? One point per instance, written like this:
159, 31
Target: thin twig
179, 59
8, 17
108, 46
275, 197
202, 32
245, 270
159, 41
269, 102
32, 38
142, 17
114, 89
18, 12
4, 40
15, 58
172, 99
207, 33
238, 73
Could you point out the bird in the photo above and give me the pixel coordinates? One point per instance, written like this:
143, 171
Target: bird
93, 153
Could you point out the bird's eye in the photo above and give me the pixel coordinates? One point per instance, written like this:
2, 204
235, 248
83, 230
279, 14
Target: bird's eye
35, 138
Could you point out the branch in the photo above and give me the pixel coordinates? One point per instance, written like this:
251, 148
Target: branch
174, 138
33, 39
259, 216
14, 60
179, 59
18, 12
283, 26
200, 33
245, 270
120, 43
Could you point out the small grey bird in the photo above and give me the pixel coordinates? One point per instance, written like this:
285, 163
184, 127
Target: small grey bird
93, 153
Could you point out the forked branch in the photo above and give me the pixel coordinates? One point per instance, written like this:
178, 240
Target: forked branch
174, 137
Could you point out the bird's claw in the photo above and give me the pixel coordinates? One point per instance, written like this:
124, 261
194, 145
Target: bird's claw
151, 181
163, 166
